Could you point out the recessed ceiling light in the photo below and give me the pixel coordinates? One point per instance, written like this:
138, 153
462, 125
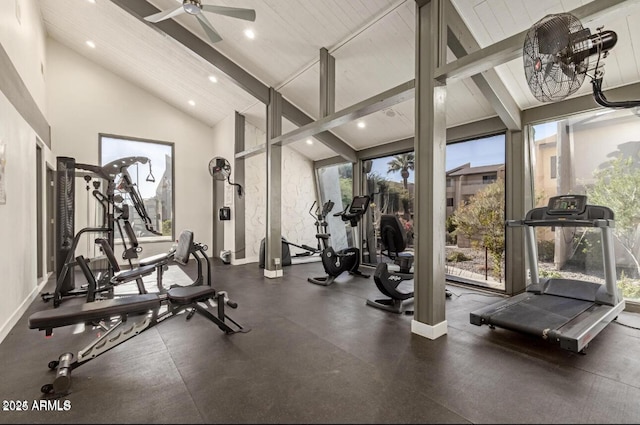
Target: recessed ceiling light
309, 142
361, 124
192, 103
213, 78
250, 34
92, 1
91, 44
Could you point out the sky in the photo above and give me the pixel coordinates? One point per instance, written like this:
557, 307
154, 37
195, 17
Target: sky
479, 152
113, 149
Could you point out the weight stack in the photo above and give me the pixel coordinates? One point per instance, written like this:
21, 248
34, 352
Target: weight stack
65, 225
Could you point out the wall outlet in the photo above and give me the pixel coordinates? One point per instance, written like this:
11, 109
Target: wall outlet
276, 261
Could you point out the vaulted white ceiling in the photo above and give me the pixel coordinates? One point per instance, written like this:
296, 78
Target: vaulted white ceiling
372, 41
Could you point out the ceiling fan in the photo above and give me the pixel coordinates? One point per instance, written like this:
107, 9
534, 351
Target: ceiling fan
195, 8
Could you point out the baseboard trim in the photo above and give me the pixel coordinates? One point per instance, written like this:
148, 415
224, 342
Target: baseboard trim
242, 261
15, 317
272, 274
428, 331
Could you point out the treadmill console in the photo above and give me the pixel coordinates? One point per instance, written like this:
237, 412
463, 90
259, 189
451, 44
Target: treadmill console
567, 205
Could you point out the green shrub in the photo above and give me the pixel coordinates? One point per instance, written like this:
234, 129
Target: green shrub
552, 274
630, 288
457, 256
546, 250
166, 227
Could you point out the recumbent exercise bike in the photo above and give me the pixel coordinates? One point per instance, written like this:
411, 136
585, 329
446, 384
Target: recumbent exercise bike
394, 284
344, 260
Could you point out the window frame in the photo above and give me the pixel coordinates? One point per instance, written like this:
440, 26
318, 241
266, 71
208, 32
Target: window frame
171, 145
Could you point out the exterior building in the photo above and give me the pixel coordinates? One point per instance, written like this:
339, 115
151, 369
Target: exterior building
465, 181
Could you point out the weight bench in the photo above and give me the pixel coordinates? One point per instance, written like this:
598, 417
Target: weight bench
146, 306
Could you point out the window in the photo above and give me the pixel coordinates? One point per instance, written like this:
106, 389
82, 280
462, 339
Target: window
335, 183
151, 173
489, 179
597, 153
475, 248
391, 184
449, 182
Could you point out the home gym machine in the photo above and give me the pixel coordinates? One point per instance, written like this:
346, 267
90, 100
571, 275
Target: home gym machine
396, 285
185, 249
345, 260
566, 312
124, 318
112, 215
321, 224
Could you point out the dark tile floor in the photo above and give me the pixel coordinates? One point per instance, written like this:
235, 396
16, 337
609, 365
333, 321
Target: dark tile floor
320, 355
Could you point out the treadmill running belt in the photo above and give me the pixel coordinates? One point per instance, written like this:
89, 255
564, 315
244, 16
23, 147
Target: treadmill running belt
539, 312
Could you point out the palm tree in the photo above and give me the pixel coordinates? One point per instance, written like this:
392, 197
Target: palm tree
402, 163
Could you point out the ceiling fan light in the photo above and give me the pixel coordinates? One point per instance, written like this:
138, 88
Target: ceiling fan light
192, 7
249, 34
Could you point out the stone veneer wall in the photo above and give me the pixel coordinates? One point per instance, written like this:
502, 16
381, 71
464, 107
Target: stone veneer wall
298, 194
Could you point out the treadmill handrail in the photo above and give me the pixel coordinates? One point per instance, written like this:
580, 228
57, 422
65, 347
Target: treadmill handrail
562, 223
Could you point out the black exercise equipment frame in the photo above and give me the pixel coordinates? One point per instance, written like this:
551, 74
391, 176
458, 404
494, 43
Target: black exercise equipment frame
348, 259
67, 239
393, 239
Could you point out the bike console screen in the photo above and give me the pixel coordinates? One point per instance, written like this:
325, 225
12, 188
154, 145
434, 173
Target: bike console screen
359, 204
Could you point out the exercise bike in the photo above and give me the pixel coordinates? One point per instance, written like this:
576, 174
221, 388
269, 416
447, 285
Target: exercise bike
345, 260
394, 284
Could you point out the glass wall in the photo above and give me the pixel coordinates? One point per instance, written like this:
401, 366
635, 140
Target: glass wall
595, 154
475, 202
390, 183
335, 184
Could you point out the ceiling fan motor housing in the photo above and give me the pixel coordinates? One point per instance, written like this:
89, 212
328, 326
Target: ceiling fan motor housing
192, 7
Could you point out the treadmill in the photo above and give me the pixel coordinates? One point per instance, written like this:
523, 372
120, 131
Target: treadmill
567, 312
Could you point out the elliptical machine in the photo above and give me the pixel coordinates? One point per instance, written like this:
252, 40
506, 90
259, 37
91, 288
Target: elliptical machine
321, 224
345, 260
321, 227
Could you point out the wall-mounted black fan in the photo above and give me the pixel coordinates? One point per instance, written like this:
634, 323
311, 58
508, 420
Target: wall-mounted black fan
556, 56
220, 169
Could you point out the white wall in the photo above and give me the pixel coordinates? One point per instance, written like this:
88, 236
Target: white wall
23, 41
298, 194
91, 100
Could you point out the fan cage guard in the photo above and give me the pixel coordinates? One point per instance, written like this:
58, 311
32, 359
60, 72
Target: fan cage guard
219, 168
552, 68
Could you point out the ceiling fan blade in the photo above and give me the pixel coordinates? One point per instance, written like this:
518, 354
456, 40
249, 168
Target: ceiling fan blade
208, 28
234, 12
161, 16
